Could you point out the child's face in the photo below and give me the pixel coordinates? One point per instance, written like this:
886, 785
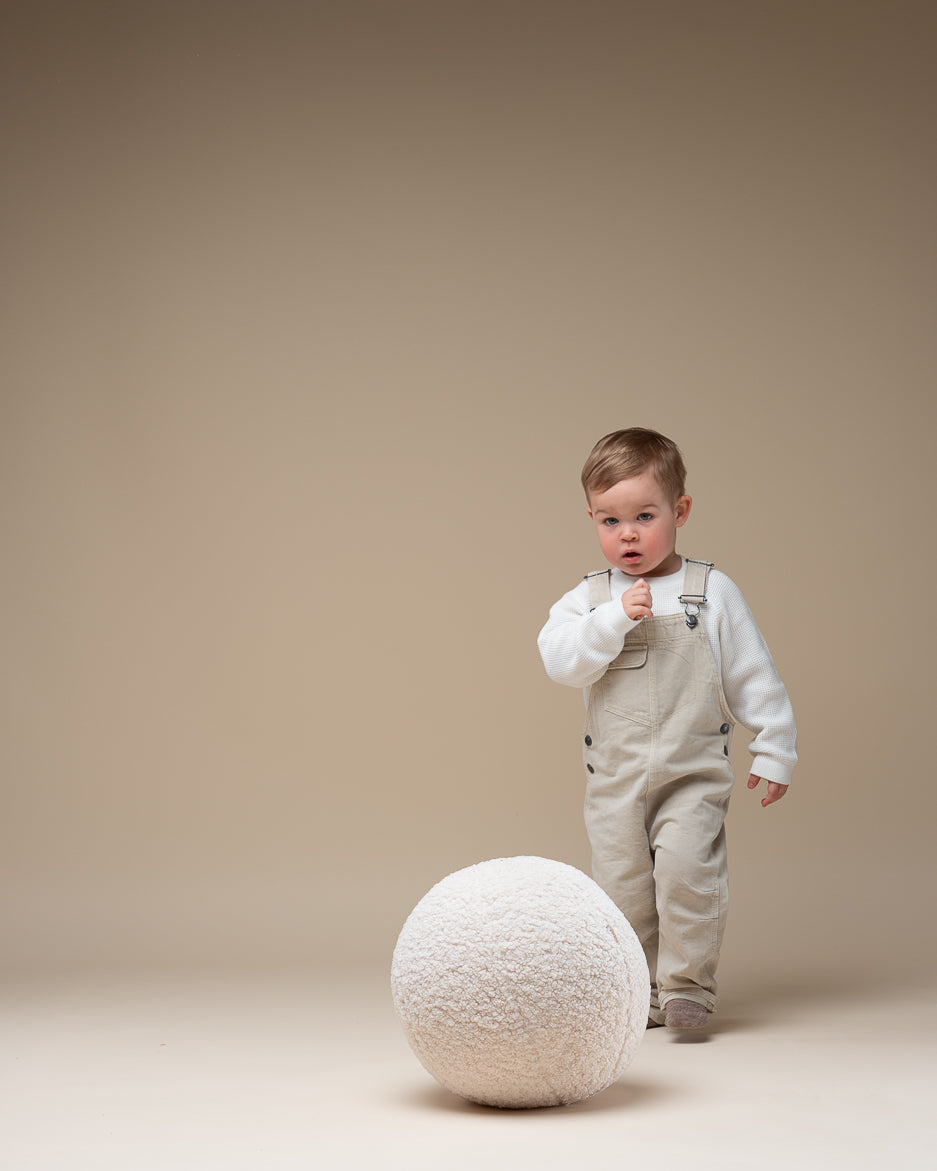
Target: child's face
637, 522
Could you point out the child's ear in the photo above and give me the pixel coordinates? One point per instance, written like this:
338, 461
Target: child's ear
682, 510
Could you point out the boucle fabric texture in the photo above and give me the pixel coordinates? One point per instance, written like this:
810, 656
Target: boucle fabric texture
519, 983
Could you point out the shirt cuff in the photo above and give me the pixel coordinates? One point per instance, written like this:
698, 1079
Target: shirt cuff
613, 615
770, 769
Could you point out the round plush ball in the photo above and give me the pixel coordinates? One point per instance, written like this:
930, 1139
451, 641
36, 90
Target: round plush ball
520, 983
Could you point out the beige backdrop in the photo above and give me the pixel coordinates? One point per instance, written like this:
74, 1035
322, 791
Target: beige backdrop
312, 313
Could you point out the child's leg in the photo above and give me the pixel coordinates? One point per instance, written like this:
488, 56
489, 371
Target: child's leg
690, 875
623, 866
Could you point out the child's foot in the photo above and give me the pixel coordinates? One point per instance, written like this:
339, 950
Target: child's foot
685, 1014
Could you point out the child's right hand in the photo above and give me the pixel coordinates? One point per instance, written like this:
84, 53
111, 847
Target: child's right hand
637, 600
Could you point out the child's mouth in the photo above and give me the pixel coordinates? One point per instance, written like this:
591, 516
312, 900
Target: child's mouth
632, 554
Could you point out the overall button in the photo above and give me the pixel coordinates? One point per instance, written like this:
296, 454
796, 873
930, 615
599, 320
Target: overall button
590, 768
589, 741
724, 729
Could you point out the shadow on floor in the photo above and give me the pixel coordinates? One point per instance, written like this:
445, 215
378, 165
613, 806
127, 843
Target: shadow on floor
622, 1095
766, 1004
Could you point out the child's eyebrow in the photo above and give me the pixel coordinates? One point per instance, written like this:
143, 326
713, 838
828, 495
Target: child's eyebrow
640, 508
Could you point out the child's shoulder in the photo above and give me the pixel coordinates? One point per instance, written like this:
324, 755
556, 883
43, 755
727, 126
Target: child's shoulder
724, 591
718, 579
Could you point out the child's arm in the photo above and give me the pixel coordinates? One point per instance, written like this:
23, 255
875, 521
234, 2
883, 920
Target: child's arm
577, 644
756, 696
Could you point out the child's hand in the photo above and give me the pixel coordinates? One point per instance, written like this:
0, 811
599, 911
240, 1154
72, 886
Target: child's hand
775, 791
637, 600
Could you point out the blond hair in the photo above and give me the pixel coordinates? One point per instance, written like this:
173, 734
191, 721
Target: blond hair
624, 454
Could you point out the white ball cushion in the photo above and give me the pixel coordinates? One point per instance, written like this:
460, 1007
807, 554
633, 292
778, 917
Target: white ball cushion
520, 983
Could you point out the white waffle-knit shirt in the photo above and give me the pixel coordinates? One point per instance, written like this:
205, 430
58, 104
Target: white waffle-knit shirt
577, 646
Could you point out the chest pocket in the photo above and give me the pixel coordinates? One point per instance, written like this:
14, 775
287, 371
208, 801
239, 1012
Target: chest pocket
630, 657
625, 691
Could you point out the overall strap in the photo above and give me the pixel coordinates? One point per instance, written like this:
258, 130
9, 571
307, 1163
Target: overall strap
600, 587
693, 597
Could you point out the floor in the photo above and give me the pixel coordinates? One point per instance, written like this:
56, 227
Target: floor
171, 1073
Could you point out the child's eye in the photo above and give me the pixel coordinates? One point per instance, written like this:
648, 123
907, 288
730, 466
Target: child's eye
645, 516
609, 521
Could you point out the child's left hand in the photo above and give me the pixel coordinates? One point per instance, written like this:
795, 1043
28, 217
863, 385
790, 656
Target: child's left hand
775, 791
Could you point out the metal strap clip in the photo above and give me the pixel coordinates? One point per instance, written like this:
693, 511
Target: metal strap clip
691, 603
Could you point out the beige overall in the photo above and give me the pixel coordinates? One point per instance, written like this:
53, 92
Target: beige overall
657, 738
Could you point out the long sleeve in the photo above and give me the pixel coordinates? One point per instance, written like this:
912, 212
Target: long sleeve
753, 689
577, 646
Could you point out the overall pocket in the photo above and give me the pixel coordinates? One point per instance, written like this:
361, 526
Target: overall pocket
625, 685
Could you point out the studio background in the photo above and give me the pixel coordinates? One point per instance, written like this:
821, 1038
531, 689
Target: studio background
312, 313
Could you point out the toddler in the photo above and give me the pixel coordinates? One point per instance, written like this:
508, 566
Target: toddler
670, 659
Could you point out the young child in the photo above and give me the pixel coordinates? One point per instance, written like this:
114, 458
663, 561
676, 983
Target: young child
669, 657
